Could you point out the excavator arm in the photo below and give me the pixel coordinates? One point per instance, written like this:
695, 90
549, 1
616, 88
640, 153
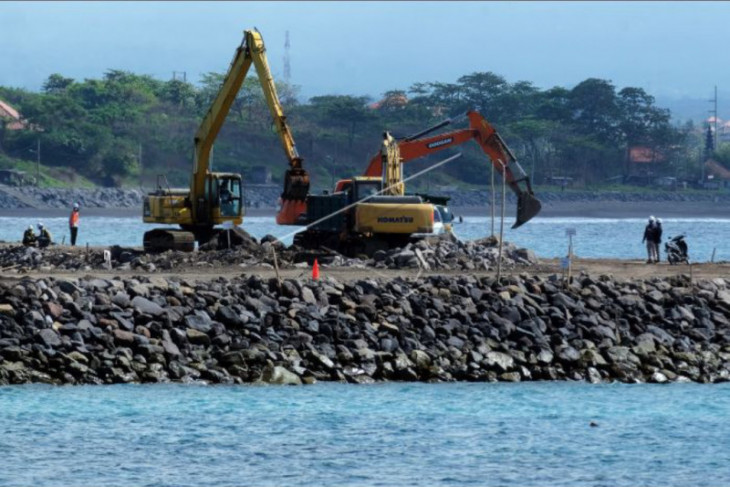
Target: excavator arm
251, 51
296, 179
212, 123
490, 142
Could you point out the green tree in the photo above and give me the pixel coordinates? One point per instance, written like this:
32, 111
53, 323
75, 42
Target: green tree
343, 111
483, 91
178, 93
57, 84
594, 110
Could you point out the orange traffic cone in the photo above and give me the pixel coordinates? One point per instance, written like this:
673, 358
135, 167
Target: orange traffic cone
315, 270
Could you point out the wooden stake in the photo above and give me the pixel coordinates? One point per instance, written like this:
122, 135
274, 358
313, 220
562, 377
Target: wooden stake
276, 266
501, 224
570, 257
491, 207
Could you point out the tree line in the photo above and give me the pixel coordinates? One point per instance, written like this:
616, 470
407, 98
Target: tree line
124, 127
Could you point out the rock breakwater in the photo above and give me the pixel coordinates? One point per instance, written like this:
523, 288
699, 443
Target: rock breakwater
457, 328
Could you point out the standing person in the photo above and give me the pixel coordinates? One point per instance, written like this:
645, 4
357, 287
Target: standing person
649, 237
73, 223
658, 237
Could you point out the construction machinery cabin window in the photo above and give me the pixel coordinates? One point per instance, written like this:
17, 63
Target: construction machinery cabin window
367, 189
229, 195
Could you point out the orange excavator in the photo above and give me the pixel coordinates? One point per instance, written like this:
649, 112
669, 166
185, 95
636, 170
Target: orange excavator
419, 145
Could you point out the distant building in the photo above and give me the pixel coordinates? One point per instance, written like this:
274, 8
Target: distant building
393, 101
11, 116
643, 164
645, 155
716, 175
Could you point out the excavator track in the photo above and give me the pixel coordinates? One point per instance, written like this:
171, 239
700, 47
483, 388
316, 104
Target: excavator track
162, 239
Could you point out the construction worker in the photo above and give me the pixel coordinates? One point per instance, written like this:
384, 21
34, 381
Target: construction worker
73, 223
29, 239
658, 238
650, 239
44, 236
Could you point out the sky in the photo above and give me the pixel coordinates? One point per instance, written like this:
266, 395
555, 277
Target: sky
673, 50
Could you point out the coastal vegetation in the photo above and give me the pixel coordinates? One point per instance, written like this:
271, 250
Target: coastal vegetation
125, 128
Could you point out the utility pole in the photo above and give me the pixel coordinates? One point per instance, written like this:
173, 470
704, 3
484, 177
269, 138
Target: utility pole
714, 118
139, 161
38, 161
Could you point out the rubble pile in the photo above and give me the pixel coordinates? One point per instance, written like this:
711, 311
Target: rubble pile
435, 253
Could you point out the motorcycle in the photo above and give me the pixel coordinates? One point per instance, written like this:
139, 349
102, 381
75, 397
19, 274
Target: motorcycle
676, 250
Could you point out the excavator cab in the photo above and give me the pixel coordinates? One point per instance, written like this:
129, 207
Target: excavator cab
225, 196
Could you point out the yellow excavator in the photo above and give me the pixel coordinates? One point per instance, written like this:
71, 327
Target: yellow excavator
216, 198
368, 213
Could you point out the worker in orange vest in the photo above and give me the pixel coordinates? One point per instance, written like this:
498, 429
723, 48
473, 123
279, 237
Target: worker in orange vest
73, 223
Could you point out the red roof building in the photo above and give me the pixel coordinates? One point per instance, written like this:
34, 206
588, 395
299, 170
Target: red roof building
11, 115
645, 155
714, 168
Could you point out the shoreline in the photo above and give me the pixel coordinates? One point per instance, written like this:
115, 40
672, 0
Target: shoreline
551, 209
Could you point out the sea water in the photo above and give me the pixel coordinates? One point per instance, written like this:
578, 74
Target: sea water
594, 237
559, 433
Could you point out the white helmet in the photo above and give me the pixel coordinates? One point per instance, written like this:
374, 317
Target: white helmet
659, 221
40, 225
652, 219
30, 227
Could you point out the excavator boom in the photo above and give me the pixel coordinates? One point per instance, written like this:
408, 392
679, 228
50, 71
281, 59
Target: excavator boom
490, 142
296, 179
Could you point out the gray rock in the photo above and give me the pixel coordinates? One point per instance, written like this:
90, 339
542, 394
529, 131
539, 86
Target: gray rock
121, 299
49, 337
308, 296
280, 375
200, 322
197, 337
145, 306
499, 361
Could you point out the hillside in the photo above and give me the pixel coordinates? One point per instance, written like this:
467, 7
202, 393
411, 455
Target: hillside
125, 129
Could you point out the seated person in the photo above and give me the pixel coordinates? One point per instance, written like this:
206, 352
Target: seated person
29, 239
226, 198
44, 236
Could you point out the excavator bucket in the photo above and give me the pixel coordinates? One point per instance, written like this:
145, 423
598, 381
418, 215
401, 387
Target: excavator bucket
294, 197
527, 207
296, 184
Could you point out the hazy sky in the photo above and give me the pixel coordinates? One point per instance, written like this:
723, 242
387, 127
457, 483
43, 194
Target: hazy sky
671, 49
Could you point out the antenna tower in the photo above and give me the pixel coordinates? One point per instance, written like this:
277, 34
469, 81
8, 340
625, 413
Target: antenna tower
287, 66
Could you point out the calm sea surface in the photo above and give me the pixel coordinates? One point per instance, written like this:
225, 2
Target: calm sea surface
595, 237
385, 434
